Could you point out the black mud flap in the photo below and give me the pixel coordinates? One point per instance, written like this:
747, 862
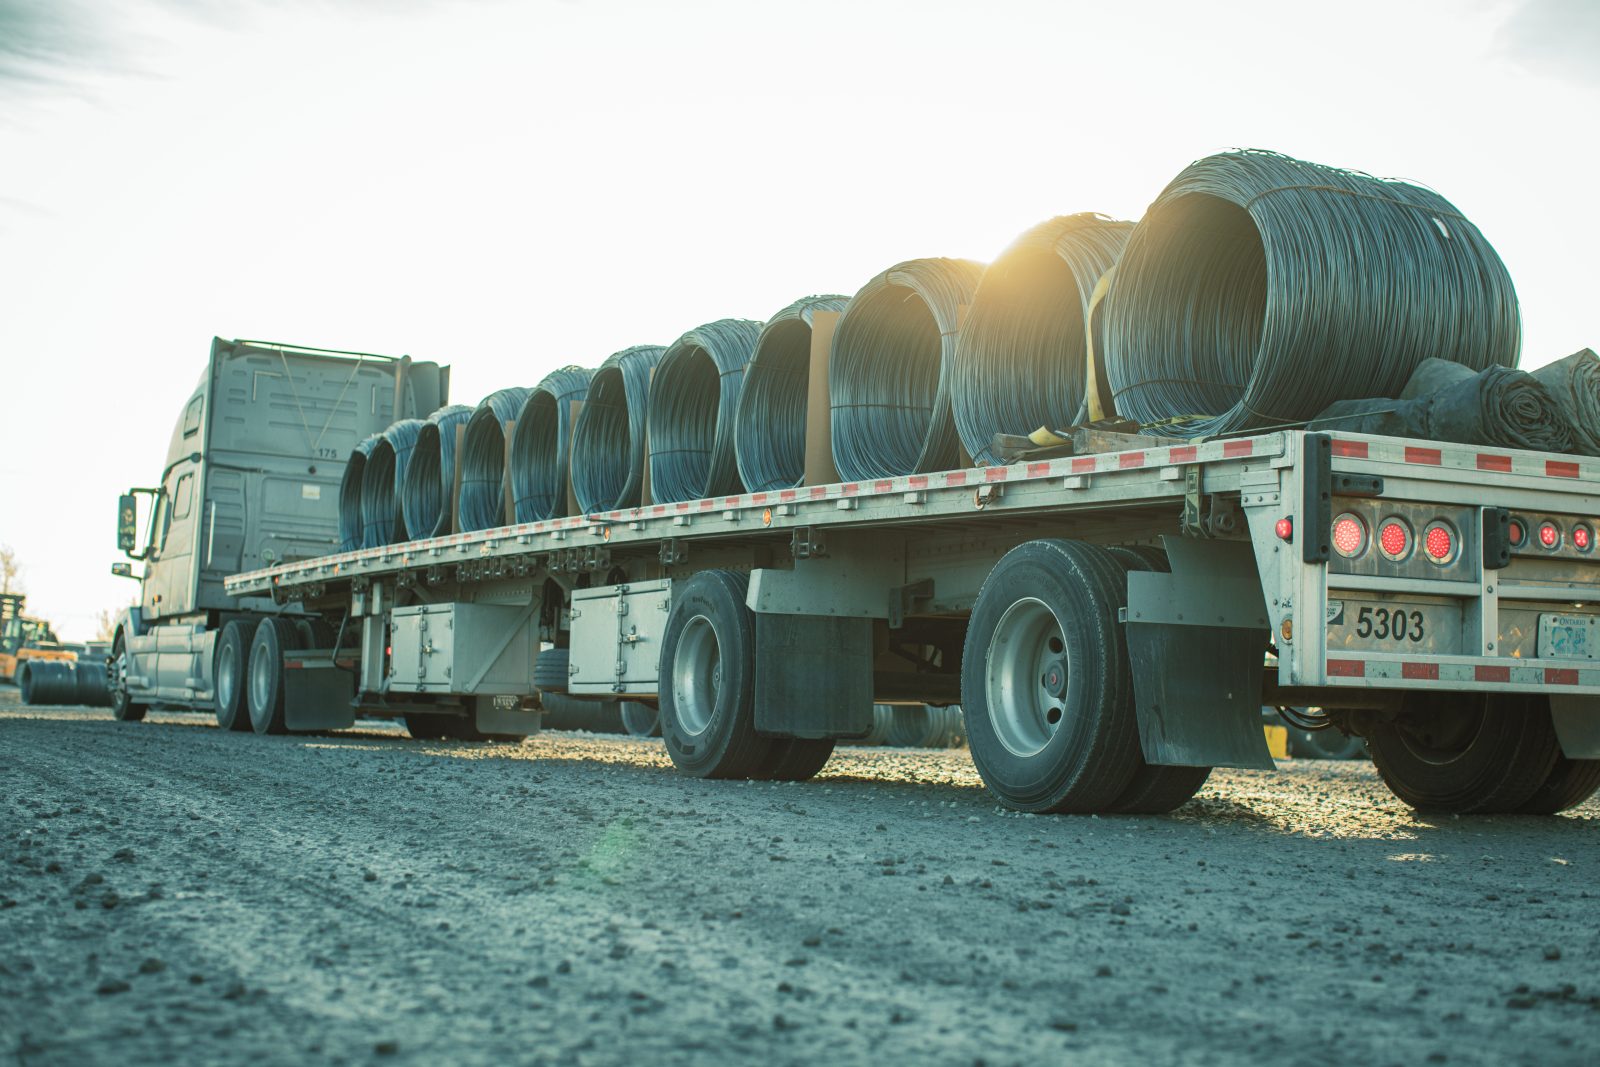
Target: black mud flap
316, 694
813, 676
1197, 640
1577, 723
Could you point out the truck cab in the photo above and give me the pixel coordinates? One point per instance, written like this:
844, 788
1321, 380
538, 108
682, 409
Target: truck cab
251, 479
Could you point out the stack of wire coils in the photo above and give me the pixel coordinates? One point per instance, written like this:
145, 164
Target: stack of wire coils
889, 375
1020, 357
1259, 289
608, 444
541, 442
770, 427
430, 480
482, 504
693, 401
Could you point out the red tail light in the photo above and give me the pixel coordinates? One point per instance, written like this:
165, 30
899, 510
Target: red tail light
1439, 542
1549, 534
1582, 537
1519, 533
1284, 528
1349, 535
1394, 539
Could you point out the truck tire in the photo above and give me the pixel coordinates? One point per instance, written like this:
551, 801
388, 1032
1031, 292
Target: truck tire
424, 727
1045, 683
550, 670
1155, 789
640, 720
274, 637
708, 680
1570, 782
1459, 754
231, 675
123, 707
796, 759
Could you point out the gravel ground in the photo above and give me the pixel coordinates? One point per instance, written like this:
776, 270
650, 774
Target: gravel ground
168, 891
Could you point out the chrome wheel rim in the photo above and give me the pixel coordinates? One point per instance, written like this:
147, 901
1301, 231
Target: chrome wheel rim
227, 682
696, 675
1026, 677
260, 684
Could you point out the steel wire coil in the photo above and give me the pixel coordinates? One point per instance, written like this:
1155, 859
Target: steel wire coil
482, 504
1020, 355
350, 484
770, 423
1260, 289
381, 520
431, 477
608, 444
541, 442
889, 375
693, 401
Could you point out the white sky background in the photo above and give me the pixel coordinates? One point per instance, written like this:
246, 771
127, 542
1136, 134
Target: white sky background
510, 187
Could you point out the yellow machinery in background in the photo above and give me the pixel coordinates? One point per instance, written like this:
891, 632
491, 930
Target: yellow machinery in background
23, 638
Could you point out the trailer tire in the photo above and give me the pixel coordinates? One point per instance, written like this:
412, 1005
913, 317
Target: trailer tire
123, 706
1570, 783
231, 677
425, 727
708, 680
1156, 789
1045, 683
550, 673
796, 759
641, 720
1487, 758
274, 637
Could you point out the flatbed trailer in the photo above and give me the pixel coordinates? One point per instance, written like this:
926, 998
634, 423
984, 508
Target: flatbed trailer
1110, 620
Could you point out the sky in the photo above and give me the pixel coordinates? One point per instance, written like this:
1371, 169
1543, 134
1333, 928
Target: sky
514, 186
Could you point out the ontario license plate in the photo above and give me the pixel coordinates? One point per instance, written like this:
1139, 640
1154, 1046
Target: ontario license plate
1568, 636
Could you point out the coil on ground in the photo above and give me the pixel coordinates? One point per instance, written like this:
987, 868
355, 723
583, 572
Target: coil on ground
889, 375
693, 401
482, 503
381, 483
541, 442
350, 494
609, 441
431, 478
770, 421
1021, 356
1260, 289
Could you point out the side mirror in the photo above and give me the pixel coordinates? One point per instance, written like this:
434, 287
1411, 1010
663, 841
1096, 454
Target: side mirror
127, 526
122, 570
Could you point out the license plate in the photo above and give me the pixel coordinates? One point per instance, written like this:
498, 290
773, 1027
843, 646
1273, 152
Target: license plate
1568, 636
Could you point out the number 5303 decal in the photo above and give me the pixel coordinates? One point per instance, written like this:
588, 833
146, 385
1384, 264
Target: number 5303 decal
1389, 625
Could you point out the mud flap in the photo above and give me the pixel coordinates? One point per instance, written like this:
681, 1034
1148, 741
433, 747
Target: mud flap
813, 676
504, 715
1197, 639
316, 694
1577, 723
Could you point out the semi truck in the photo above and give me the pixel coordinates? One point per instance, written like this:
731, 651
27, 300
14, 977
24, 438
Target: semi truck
1111, 617
251, 480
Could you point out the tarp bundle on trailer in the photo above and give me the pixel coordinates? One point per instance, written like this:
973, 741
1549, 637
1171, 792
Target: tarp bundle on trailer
1574, 384
1446, 401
